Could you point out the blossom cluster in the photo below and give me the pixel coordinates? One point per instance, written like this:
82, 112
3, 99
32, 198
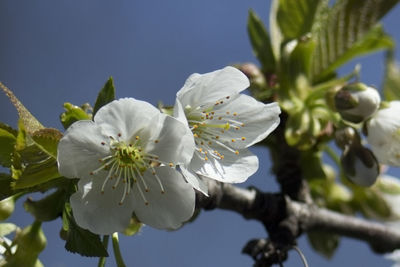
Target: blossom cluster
133, 160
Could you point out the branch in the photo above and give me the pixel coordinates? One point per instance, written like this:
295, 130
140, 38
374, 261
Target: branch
275, 209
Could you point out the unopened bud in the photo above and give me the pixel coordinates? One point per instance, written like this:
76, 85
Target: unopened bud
357, 102
383, 133
360, 165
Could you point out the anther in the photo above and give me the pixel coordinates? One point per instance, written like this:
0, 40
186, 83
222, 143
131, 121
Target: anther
102, 143
156, 141
119, 135
234, 114
237, 152
233, 140
243, 138
171, 164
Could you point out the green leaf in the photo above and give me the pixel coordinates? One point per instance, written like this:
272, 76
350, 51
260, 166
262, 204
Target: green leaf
49, 208
349, 30
323, 242
72, 114
47, 140
34, 162
391, 84
30, 122
260, 42
295, 17
79, 240
7, 143
106, 95
5, 185
371, 203
312, 165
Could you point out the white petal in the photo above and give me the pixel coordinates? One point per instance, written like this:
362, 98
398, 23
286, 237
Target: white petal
179, 112
168, 210
384, 134
259, 121
101, 213
194, 179
126, 116
173, 140
231, 169
209, 87
80, 149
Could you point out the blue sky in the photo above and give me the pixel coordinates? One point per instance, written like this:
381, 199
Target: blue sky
53, 52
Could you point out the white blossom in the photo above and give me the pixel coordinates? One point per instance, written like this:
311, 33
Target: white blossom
224, 124
125, 161
383, 134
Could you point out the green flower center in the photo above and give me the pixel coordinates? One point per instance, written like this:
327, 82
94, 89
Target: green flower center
209, 124
126, 164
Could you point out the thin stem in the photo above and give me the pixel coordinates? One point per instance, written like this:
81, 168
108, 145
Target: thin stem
117, 251
102, 260
303, 258
332, 154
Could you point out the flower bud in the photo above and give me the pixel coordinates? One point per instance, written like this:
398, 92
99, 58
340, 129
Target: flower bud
360, 165
383, 134
30, 242
7, 206
357, 102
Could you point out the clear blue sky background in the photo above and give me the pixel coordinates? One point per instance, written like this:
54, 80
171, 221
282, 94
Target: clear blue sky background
52, 52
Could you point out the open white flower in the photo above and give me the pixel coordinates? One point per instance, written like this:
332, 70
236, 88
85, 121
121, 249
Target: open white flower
125, 160
383, 134
224, 123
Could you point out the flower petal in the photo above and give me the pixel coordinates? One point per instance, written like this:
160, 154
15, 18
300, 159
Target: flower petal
231, 169
126, 116
258, 120
101, 213
194, 179
168, 210
80, 149
172, 140
209, 87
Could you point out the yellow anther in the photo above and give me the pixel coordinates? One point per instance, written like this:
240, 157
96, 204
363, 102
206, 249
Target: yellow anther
137, 137
243, 138
171, 164
233, 140
234, 114
217, 137
195, 126
237, 152
200, 149
227, 126
205, 158
195, 135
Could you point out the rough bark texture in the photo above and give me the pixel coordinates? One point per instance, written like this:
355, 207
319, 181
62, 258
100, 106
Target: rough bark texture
295, 218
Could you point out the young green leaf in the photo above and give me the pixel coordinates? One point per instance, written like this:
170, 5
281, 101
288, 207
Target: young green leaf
391, 84
49, 208
7, 143
47, 140
30, 122
323, 242
106, 95
260, 42
79, 240
34, 158
295, 17
348, 30
72, 114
